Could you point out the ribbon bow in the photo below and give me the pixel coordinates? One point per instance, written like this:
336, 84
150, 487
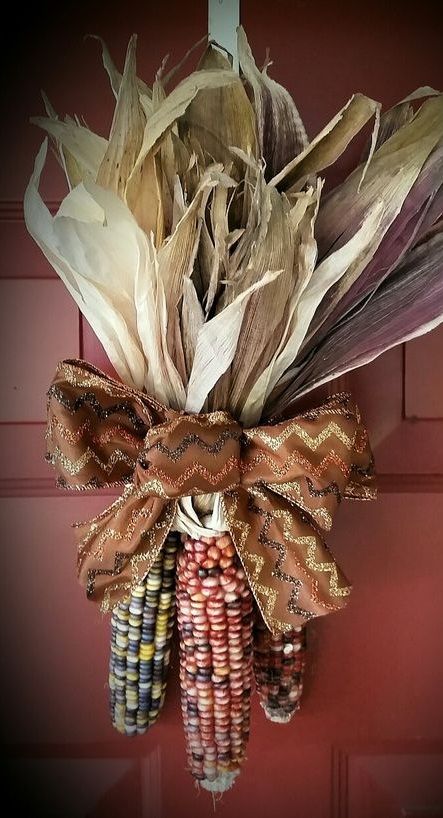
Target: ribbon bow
279, 486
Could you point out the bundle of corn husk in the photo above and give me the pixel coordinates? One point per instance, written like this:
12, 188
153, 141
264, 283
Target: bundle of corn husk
201, 244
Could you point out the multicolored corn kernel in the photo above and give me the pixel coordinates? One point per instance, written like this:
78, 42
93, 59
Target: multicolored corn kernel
279, 662
141, 631
215, 618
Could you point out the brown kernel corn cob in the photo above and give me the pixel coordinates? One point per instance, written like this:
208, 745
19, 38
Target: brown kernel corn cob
141, 631
279, 663
214, 614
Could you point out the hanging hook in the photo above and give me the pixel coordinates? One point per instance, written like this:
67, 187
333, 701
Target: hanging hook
223, 21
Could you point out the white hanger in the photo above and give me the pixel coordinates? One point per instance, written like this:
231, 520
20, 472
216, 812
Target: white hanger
223, 19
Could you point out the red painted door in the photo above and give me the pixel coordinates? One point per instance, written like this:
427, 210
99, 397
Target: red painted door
368, 742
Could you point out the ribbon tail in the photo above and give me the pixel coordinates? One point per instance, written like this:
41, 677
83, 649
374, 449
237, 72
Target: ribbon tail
117, 549
292, 574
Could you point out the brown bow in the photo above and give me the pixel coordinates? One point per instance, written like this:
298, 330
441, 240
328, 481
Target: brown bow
280, 485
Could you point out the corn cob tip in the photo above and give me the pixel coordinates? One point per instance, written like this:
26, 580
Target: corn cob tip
222, 783
277, 716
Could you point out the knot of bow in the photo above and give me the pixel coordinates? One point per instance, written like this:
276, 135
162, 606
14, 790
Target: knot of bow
279, 486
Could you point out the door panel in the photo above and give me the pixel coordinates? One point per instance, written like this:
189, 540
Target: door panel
39, 324
391, 780
406, 431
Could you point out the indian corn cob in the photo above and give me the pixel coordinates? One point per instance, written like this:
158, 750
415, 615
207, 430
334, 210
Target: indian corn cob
141, 630
279, 662
215, 619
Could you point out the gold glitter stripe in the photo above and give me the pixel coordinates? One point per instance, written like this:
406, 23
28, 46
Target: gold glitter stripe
73, 436
311, 441
355, 491
311, 543
112, 533
176, 453
270, 595
214, 479
73, 467
332, 458
320, 515
202, 421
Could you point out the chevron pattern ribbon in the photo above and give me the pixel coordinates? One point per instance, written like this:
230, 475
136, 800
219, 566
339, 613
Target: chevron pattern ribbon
280, 485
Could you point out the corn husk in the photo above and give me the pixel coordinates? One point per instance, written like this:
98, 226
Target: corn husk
407, 304
222, 118
201, 245
208, 285
280, 129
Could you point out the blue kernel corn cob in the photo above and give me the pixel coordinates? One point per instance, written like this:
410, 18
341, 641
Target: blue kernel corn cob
141, 631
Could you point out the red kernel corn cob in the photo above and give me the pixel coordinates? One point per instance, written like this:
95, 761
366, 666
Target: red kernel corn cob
215, 617
279, 663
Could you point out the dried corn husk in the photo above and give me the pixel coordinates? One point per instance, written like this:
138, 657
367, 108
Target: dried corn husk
84, 148
127, 130
280, 128
221, 118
